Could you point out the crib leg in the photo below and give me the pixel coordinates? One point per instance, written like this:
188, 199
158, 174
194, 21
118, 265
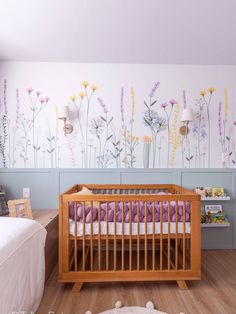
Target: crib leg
182, 284
77, 286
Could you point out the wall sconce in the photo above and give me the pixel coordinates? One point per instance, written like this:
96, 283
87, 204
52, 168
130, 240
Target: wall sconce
186, 117
62, 115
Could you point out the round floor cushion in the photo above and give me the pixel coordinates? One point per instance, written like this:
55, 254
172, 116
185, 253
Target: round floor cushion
133, 310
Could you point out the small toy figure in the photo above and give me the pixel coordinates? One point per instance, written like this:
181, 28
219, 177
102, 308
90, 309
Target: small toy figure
208, 218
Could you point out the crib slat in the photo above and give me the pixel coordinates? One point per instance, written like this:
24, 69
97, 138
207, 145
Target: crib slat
161, 243
83, 239
145, 238
130, 237
122, 240
115, 237
184, 240
153, 236
168, 241
91, 239
107, 241
99, 240
138, 241
176, 236
75, 237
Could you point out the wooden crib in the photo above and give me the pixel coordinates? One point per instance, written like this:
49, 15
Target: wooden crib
147, 249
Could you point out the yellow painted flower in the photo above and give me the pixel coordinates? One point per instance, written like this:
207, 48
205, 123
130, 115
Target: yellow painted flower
73, 98
94, 87
202, 92
211, 89
147, 139
85, 84
82, 95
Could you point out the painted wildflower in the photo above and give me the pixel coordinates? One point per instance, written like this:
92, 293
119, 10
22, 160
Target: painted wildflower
73, 98
93, 87
82, 95
173, 102
211, 90
103, 105
85, 84
154, 121
202, 93
154, 89
97, 126
30, 90
164, 105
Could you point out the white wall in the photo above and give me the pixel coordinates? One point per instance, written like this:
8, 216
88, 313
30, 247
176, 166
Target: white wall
59, 81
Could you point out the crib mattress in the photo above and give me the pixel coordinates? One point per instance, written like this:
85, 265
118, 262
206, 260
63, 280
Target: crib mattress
128, 229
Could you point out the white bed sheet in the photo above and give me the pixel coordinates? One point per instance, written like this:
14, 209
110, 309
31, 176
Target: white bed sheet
134, 230
22, 265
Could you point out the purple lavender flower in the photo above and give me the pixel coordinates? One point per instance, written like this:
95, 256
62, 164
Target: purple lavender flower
153, 90
184, 99
29, 90
5, 96
17, 107
219, 119
122, 105
104, 107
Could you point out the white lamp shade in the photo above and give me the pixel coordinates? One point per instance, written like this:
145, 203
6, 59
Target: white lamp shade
62, 112
187, 115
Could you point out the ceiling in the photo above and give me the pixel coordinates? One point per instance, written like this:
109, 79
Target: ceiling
119, 31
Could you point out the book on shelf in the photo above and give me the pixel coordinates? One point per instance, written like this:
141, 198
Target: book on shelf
213, 214
210, 192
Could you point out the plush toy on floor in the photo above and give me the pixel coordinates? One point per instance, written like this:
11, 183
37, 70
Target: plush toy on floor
119, 309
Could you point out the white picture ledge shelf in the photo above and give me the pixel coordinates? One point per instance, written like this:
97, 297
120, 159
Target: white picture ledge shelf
223, 198
214, 225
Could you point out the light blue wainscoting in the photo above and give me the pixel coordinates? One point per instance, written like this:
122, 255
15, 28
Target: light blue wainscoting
46, 185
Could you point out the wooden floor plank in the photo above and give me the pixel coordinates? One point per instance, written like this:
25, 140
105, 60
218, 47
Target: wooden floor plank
215, 293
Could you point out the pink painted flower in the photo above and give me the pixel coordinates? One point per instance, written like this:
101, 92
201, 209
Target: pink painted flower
37, 93
42, 100
164, 105
234, 123
173, 102
29, 90
46, 99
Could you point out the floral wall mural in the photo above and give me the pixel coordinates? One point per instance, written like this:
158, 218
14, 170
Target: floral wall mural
123, 116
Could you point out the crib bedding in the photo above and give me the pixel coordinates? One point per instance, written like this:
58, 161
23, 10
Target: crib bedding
133, 229
131, 211
22, 264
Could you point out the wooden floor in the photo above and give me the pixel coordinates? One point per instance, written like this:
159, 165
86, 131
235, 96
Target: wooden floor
215, 293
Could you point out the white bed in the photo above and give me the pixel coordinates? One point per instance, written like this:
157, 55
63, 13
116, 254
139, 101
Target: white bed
22, 265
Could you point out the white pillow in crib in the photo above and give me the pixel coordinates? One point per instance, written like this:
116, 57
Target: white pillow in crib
83, 191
